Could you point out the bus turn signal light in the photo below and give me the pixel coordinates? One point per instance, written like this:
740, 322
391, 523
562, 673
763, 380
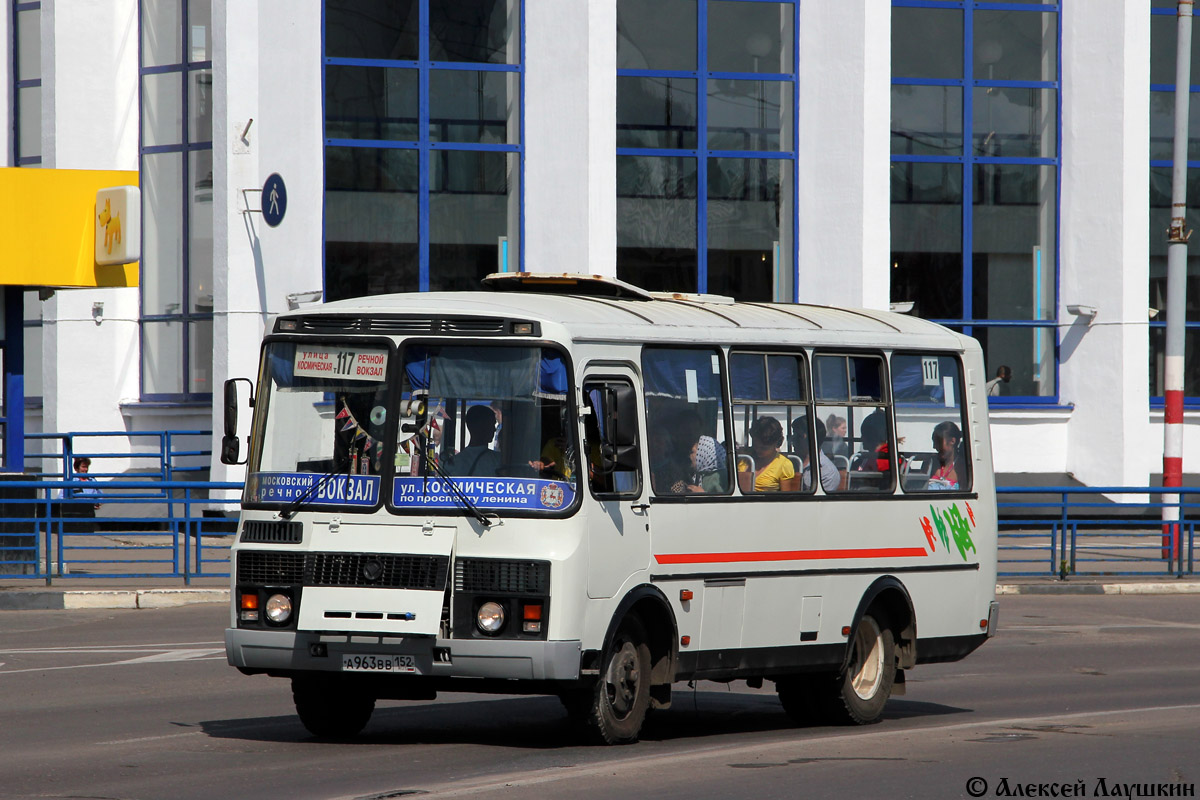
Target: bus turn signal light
532, 618
845, 630
684, 641
248, 602
685, 595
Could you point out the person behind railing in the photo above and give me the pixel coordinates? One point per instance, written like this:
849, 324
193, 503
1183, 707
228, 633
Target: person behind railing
946, 438
768, 470
86, 511
80, 467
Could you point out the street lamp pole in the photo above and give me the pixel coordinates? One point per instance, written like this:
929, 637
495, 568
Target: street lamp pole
1177, 237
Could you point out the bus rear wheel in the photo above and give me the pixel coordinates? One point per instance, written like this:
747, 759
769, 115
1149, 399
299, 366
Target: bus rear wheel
329, 708
621, 697
861, 691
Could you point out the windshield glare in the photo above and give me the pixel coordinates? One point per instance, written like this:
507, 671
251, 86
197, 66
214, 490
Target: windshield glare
323, 409
494, 420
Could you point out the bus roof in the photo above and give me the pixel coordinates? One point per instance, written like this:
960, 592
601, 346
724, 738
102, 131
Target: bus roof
594, 313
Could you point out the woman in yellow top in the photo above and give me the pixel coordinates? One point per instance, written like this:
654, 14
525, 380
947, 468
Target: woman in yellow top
772, 472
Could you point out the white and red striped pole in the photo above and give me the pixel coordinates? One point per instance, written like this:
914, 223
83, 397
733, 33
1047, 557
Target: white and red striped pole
1177, 237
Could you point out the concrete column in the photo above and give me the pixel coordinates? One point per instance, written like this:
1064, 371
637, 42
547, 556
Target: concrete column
1104, 242
90, 121
571, 136
845, 115
267, 63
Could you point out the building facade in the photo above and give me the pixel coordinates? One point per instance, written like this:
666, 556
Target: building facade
1000, 167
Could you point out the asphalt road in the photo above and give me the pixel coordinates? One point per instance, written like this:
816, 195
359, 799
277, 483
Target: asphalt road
140, 704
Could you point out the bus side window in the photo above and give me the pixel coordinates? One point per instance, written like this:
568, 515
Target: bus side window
852, 407
772, 425
928, 392
685, 421
605, 475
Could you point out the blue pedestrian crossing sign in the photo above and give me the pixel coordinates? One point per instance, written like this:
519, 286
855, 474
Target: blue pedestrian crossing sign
274, 200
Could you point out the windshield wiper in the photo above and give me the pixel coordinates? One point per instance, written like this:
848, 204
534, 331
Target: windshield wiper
466, 502
291, 508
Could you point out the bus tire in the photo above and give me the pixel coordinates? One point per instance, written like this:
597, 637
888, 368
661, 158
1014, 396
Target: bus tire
794, 695
621, 697
329, 709
857, 695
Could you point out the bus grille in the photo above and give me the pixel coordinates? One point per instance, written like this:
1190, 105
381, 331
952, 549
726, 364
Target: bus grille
270, 532
383, 571
495, 575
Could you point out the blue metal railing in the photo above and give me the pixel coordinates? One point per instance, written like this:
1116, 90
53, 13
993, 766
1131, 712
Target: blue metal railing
46, 535
1074, 530
182, 530
153, 455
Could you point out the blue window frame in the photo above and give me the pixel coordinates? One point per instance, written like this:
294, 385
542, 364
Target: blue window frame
707, 133
27, 84
1162, 121
424, 147
175, 168
976, 168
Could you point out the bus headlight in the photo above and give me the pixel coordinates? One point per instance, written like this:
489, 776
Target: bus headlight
490, 617
279, 608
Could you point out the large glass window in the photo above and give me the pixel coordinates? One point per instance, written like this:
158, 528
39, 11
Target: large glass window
423, 144
1162, 129
975, 178
706, 140
27, 83
177, 192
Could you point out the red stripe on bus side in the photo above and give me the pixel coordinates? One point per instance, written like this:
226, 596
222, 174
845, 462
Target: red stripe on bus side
790, 555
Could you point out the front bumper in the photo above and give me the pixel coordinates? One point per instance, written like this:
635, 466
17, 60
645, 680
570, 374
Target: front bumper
292, 651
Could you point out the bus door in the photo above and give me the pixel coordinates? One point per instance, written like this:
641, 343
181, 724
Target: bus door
619, 520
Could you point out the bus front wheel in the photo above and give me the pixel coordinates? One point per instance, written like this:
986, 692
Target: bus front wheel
621, 697
330, 709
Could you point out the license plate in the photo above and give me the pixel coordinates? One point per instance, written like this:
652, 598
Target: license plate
369, 662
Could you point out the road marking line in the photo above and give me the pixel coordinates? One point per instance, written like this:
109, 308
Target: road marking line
110, 648
608, 768
106, 664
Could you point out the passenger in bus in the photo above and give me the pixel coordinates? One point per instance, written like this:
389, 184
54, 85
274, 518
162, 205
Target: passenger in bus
946, 440
874, 455
556, 462
706, 459
708, 465
770, 471
477, 459
831, 479
835, 442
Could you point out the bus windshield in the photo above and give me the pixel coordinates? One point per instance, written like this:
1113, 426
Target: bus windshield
322, 412
495, 420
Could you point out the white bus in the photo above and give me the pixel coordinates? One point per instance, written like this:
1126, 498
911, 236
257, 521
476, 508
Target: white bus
566, 485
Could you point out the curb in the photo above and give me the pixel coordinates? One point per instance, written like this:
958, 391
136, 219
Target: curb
53, 600
1065, 587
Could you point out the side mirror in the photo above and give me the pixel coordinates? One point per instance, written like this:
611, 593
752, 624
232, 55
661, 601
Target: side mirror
230, 445
620, 446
